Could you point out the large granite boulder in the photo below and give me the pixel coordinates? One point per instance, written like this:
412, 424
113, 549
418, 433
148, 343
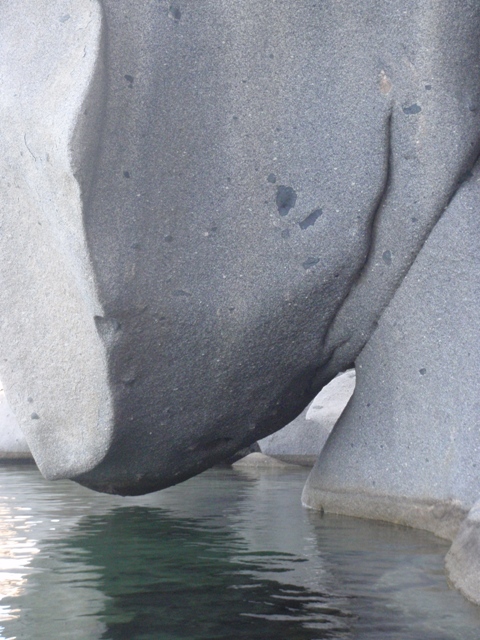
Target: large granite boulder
206, 207
407, 447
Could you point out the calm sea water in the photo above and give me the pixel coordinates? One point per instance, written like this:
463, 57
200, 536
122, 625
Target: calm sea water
229, 554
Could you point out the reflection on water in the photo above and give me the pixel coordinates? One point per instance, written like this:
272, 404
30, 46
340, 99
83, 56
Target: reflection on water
225, 555
16, 552
194, 579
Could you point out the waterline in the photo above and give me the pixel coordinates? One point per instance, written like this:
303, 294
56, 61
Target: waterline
229, 554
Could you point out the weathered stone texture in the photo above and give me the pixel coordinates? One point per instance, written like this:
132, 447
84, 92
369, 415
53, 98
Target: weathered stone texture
411, 433
53, 364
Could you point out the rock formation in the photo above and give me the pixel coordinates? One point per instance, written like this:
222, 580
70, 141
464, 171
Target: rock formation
210, 209
463, 559
301, 441
13, 445
407, 446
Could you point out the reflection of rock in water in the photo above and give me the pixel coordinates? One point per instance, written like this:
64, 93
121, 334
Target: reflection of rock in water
183, 578
229, 554
396, 574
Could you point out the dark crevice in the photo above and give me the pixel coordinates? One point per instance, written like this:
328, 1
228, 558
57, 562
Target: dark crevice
370, 233
89, 127
464, 175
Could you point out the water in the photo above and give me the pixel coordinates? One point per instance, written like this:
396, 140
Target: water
230, 554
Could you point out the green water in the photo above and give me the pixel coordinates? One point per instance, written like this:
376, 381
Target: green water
230, 554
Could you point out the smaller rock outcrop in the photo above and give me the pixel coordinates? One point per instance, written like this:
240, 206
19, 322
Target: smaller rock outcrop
13, 444
302, 440
463, 560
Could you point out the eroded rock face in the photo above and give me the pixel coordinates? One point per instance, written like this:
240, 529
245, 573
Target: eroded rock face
407, 446
53, 362
207, 206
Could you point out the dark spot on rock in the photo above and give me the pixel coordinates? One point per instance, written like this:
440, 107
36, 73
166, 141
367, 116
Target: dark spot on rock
174, 13
428, 87
422, 372
310, 262
472, 107
179, 293
35, 416
65, 17
271, 56
168, 238
29, 399
310, 219
414, 219
126, 174
136, 245
412, 110
130, 79
278, 129
285, 233
272, 178
285, 200
235, 118
387, 256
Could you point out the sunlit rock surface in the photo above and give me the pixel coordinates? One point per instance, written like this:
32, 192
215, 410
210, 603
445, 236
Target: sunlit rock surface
53, 364
12, 441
